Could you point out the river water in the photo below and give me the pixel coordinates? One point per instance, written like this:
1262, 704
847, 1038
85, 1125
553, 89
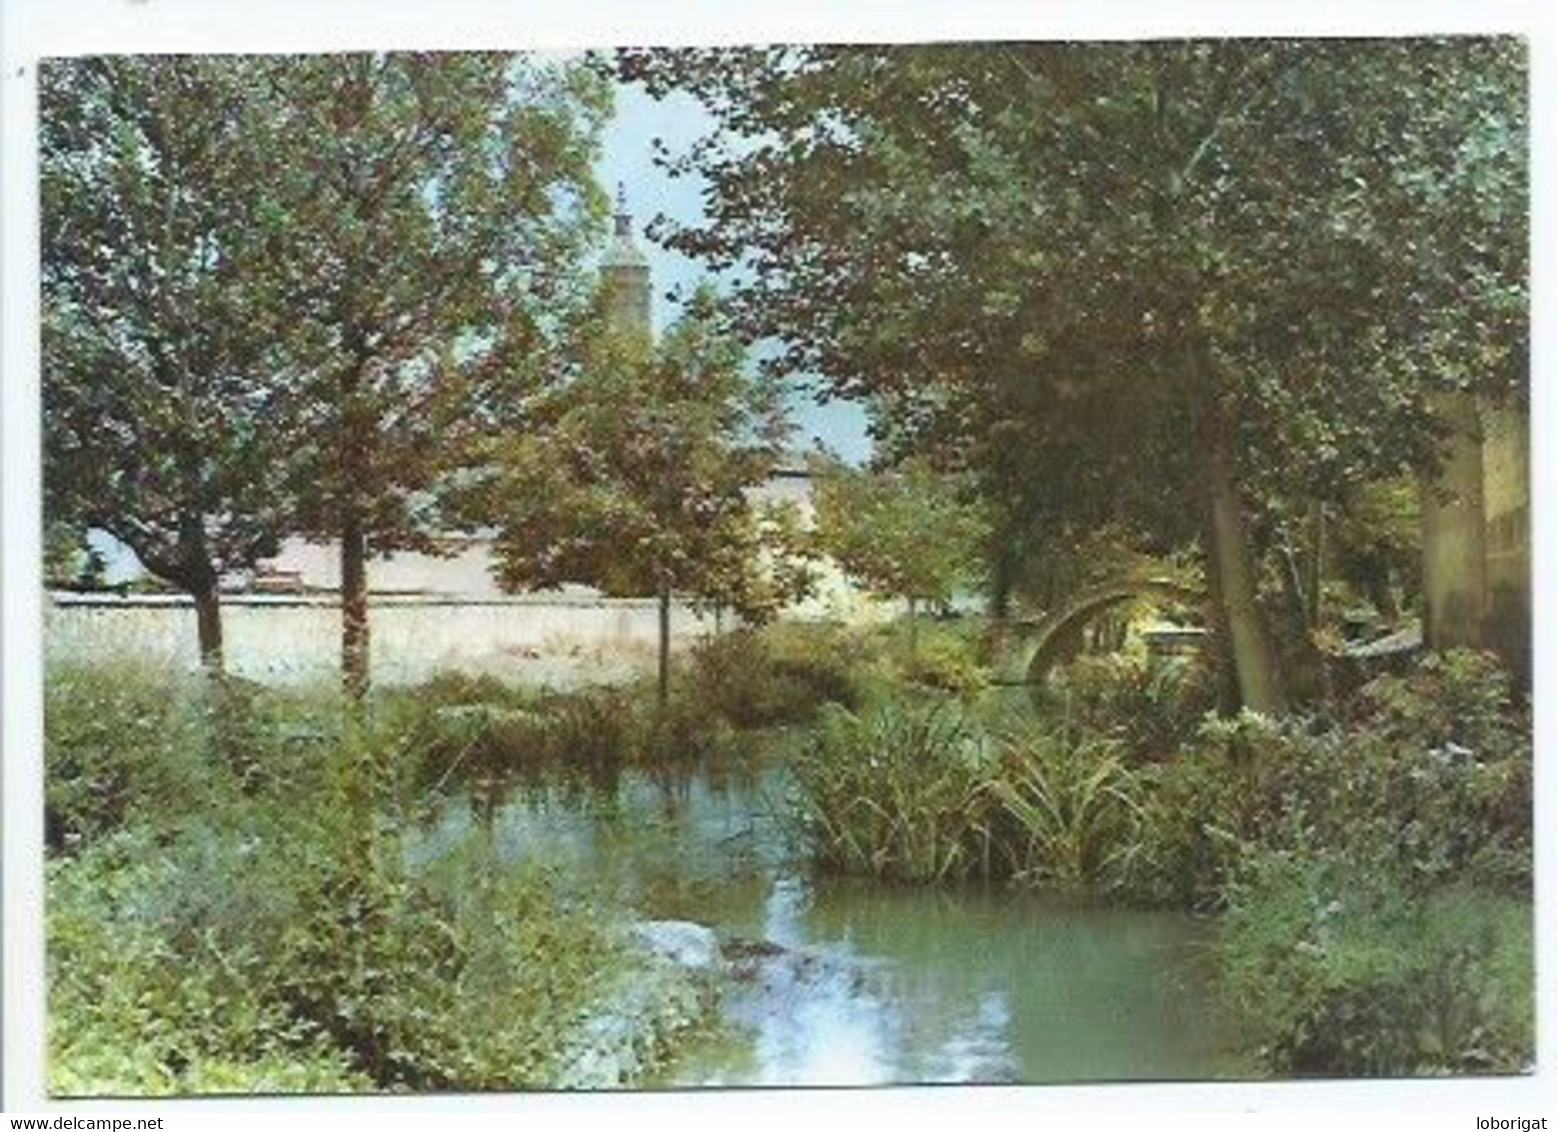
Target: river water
874, 983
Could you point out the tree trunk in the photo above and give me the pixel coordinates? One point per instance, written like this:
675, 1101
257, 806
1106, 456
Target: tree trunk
1002, 579
1254, 661
1315, 574
354, 605
1505, 455
208, 622
664, 673
1454, 550
913, 631
1227, 697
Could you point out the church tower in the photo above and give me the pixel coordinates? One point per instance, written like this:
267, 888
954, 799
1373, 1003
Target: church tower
624, 276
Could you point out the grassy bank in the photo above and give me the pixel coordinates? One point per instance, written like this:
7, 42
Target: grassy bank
230, 910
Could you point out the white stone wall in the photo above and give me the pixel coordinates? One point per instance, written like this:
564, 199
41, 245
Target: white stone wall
557, 642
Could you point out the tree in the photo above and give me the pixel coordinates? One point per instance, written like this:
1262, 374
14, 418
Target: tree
906, 533
163, 421
761, 562
634, 476
1212, 268
432, 212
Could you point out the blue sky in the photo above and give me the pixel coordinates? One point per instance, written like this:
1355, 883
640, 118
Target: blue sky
627, 159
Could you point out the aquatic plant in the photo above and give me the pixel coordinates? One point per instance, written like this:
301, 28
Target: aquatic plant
1069, 810
896, 790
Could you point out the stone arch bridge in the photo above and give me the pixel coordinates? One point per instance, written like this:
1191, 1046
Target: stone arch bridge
1031, 648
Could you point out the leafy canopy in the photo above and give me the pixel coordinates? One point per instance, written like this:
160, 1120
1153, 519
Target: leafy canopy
635, 473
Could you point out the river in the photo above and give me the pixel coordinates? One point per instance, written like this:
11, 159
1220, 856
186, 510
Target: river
886, 983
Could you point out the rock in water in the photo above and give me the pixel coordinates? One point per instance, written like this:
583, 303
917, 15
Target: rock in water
687, 945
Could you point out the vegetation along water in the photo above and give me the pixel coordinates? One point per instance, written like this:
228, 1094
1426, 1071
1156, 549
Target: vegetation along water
1147, 697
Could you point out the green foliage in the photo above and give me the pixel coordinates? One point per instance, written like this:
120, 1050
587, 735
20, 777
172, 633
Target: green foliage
780, 675
633, 477
1460, 699
70, 562
220, 932
1344, 975
1375, 871
167, 976
908, 533
896, 790
1241, 242
947, 662
158, 347
1433, 765
456, 728
1150, 706
124, 742
280, 293
133, 1010
591, 730
1374, 542
1068, 812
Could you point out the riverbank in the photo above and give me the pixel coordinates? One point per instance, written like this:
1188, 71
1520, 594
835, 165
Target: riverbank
440, 893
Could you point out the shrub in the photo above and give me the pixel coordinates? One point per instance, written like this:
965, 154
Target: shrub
1151, 707
289, 936
1389, 772
780, 675
1344, 973
137, 1007
267, 934
821, 660
896, 790
122, 742
947, 663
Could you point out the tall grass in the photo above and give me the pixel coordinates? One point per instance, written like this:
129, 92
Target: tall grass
897, 790
920, 790
1069, 811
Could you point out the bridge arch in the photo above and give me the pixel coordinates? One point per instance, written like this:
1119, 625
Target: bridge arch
1046, 640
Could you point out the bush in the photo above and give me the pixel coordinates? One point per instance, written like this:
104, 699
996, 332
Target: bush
947, 663
1375, 869
288, 937
121, 742
1151, 707
266, 933
1343, 974
777, 676
1391, 771
137, 1006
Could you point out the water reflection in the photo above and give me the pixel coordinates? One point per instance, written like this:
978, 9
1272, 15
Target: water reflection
841, 981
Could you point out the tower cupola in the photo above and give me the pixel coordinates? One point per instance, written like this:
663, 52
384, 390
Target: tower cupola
624, 275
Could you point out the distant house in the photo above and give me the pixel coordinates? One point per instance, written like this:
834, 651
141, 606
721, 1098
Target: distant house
463, 569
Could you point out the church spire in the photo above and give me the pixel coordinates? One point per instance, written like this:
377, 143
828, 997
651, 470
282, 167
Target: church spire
624, 273
624, 219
